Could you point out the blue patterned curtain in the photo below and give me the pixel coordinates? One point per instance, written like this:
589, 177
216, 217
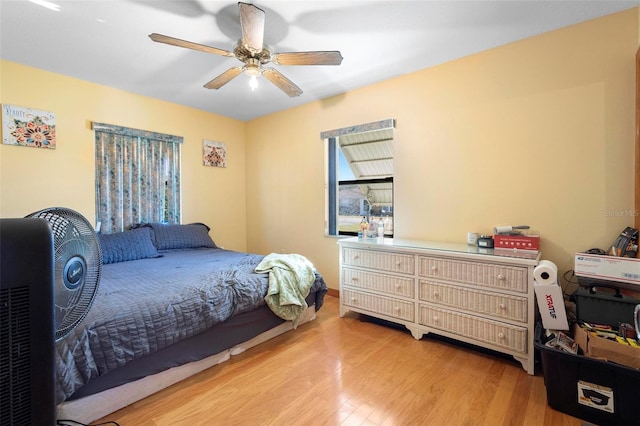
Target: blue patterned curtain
137, 177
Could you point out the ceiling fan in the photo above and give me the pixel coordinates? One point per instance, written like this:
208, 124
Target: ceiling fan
252, 50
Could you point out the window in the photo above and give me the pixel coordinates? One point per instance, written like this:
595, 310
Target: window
137, 177
359, 177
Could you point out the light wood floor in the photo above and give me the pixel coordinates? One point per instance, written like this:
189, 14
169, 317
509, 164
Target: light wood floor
344, 371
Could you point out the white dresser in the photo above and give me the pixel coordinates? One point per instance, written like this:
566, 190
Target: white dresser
480, 296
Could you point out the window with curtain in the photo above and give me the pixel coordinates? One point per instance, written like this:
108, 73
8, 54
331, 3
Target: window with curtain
137, 177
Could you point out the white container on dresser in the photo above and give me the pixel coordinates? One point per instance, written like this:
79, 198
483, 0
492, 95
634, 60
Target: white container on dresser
480, 296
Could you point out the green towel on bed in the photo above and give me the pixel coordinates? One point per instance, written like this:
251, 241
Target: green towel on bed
290, 278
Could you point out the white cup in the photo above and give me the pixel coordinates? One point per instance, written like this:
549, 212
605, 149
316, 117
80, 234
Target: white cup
472, 238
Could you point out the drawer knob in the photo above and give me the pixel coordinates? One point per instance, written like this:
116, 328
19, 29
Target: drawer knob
435, 319
501, 277
397, 309
353, 299
398, 286
502, 306
398, 263
354, 279
355, 257
434, 268
436, 294
501, 335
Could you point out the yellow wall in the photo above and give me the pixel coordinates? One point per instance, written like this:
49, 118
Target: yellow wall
537, 132
32, 179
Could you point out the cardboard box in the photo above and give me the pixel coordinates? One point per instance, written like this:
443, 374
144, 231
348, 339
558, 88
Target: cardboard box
551, 306
519, 242
580, 337
605, 349
608, 268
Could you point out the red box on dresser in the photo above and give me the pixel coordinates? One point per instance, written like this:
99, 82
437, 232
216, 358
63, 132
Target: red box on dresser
520, 242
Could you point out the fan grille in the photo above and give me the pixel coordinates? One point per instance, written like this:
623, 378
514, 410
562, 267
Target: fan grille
77, 266
15, 360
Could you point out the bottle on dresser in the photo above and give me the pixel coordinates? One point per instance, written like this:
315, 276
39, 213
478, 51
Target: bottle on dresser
364, 226
380, 228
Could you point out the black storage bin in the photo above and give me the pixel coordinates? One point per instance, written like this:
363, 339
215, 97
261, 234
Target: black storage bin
564, 371
594, 305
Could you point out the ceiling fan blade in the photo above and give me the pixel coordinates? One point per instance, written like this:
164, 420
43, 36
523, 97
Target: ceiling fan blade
252, 23
224, 78
332, 57
188, 44
282, 82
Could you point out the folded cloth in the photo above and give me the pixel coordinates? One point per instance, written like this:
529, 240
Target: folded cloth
290, 279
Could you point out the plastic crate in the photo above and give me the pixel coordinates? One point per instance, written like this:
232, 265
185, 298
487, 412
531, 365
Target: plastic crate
599, 392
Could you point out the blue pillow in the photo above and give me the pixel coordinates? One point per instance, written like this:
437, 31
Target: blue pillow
171, 237
128, 245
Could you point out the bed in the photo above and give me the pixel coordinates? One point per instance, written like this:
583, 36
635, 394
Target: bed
170, 304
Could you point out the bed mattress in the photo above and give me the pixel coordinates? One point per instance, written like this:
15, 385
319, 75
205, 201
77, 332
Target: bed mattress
148, 306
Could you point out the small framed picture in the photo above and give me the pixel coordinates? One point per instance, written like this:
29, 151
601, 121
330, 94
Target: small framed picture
28, 127
214, 154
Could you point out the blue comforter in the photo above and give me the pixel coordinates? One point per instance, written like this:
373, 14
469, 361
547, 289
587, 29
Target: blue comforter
146, 305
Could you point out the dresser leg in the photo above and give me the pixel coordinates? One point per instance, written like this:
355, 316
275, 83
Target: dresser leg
416, 333
343, 310
527, 364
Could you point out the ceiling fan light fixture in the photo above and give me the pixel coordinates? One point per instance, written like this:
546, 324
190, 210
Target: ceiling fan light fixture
252, 68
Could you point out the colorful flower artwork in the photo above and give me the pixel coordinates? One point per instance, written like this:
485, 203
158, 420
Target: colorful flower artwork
28, 127
214, 154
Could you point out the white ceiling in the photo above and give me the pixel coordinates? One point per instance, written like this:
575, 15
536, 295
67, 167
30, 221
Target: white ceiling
106, 42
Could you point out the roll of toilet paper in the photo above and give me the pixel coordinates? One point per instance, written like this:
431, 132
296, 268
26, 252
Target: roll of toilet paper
546, 273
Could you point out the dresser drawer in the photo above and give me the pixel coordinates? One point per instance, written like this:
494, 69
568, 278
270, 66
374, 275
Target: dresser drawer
391, 284
480, 329
484, 302
384, 261
378, 304
481, 274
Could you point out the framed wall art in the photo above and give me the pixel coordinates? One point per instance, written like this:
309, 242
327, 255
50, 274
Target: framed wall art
214, 154
28, 127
